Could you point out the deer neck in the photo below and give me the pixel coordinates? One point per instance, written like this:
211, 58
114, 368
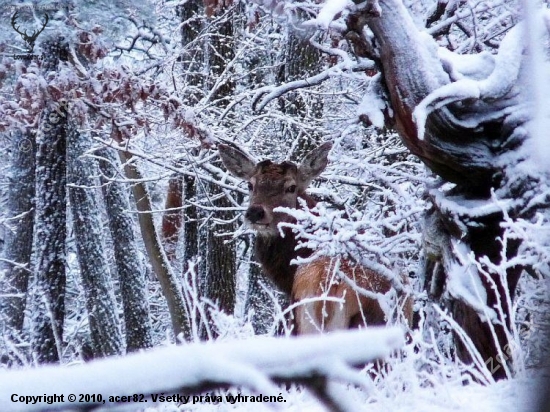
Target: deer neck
274, 253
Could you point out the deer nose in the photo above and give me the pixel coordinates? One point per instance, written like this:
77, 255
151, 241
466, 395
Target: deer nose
255, 213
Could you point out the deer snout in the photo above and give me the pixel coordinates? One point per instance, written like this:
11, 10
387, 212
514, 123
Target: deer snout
255, 213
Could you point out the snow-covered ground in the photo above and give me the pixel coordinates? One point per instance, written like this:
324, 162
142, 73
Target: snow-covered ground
413, 380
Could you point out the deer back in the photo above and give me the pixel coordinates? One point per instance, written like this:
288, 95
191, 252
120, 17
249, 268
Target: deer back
317, 280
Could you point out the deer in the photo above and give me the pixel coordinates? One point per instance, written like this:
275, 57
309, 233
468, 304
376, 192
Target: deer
272, 185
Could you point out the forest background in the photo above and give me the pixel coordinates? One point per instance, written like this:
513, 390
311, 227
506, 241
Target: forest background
121, 231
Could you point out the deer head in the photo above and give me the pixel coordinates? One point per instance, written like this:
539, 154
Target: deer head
29, 39
273, 185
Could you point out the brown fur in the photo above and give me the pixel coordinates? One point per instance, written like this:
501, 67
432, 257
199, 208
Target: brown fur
319, 278
273, 185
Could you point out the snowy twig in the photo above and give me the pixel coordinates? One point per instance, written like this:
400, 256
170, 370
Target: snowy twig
271, 92
256, 364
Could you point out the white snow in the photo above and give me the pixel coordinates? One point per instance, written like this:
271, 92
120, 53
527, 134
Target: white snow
329, 11
472, 66
459, 206
537, 31
497, 84
238, 363
372, 104
464, 283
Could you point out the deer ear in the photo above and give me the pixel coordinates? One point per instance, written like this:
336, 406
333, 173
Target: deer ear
236, 161
313, 164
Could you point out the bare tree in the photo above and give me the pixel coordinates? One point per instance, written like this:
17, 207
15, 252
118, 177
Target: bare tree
159, 261
86, 214
206, 53
16, 259
50, 221
131, 274
173, 216
219, 281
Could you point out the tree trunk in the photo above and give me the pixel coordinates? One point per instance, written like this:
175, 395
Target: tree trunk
16, 263
169, 283
50, 221
131, 274
220, 52
172, 217
94, 271
221, 268
259, 303
302, 60
49, 241
192, 77
192, 57
219, 264
191, 227
459, 153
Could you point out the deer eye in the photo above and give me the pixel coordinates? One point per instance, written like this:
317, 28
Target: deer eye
291, 189
250, 187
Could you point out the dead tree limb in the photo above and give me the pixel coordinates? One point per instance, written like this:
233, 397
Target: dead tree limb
257, 364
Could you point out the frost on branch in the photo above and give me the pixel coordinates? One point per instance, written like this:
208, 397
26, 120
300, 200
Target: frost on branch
374, 103
381, 237
331, 10
463, 282
329, 233
257, 364
476, 82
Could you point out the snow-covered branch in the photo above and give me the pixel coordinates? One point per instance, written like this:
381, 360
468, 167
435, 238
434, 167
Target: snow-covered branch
268, 93
495, 86
257, 364
332, 234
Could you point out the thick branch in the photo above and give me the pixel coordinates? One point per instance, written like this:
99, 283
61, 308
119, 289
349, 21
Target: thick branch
412, 71
256, 364
159, 261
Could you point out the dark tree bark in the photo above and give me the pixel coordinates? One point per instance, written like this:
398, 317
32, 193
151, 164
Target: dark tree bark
172, 217
94, 271
192, 63
218, 277
180, 188
459, 155
302, 60
50, 221
16, 264
259, 303
462, 150
220, 51
192, 58
191, 225
131, 274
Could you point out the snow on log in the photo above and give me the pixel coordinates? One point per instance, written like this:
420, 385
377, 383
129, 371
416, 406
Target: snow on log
504, 76
256, 364
464, 282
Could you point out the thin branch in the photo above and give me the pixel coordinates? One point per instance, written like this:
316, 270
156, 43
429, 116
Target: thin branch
271, 92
